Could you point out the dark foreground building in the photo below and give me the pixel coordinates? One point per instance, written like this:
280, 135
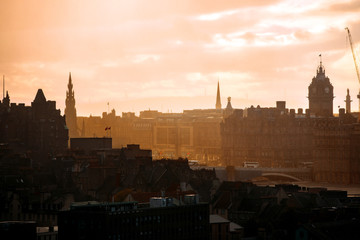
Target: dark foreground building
18, 230
38, 130
89, 144
287, 211
160, 220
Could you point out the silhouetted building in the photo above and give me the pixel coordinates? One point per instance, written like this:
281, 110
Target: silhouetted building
321, 94
6, 100
267, 136
219, 227
287, 211
88, 145
18, 230
104, 173
134, 221
193, 134
39, 129
70, 111
280, 138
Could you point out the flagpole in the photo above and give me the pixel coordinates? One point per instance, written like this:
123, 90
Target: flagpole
3, 86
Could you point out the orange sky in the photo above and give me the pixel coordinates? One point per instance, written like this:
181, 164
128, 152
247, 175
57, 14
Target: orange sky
168, 55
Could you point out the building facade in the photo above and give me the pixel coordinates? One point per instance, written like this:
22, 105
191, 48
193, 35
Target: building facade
134, 221
38, 129
281, 138
193, 134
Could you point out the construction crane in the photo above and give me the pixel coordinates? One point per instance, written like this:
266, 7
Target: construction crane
356, 64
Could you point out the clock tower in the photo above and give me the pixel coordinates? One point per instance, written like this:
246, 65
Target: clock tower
321, 94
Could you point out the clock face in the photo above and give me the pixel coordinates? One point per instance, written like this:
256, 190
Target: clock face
327, 90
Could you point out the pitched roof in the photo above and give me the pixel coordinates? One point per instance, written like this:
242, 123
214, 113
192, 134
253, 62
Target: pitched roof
40, 97
217, 219
235, 227
224, 201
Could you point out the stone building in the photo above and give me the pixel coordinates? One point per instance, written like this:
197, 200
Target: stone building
279, 137
321, 94
193, 134
38, 129
70, 110
271, 137
336, 149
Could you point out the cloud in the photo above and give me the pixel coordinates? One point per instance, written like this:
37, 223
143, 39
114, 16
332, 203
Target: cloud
124, 51
350, 6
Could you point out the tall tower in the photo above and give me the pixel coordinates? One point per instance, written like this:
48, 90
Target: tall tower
6, 100
70, 110
321, 94
218, 100
348, 102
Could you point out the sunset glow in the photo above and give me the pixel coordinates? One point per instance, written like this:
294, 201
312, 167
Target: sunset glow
169, 55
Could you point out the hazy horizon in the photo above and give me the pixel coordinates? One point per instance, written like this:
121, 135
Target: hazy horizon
168, 56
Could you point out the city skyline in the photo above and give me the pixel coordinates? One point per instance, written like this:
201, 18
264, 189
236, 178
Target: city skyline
137, 55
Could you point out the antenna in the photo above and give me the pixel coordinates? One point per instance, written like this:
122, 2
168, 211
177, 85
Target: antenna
3, 86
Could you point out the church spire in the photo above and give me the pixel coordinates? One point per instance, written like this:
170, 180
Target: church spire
6, 100
70, 92
218, 100
70, 110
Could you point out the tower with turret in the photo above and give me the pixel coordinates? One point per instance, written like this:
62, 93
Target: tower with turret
70, 110
321, 94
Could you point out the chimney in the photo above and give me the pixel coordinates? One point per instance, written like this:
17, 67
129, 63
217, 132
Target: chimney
341, 112
280, 105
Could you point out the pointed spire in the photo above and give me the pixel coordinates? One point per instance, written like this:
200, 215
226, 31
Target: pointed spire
218, 100
348, 102
321, 69
70, 110
6, 100
70, 86
40, 97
